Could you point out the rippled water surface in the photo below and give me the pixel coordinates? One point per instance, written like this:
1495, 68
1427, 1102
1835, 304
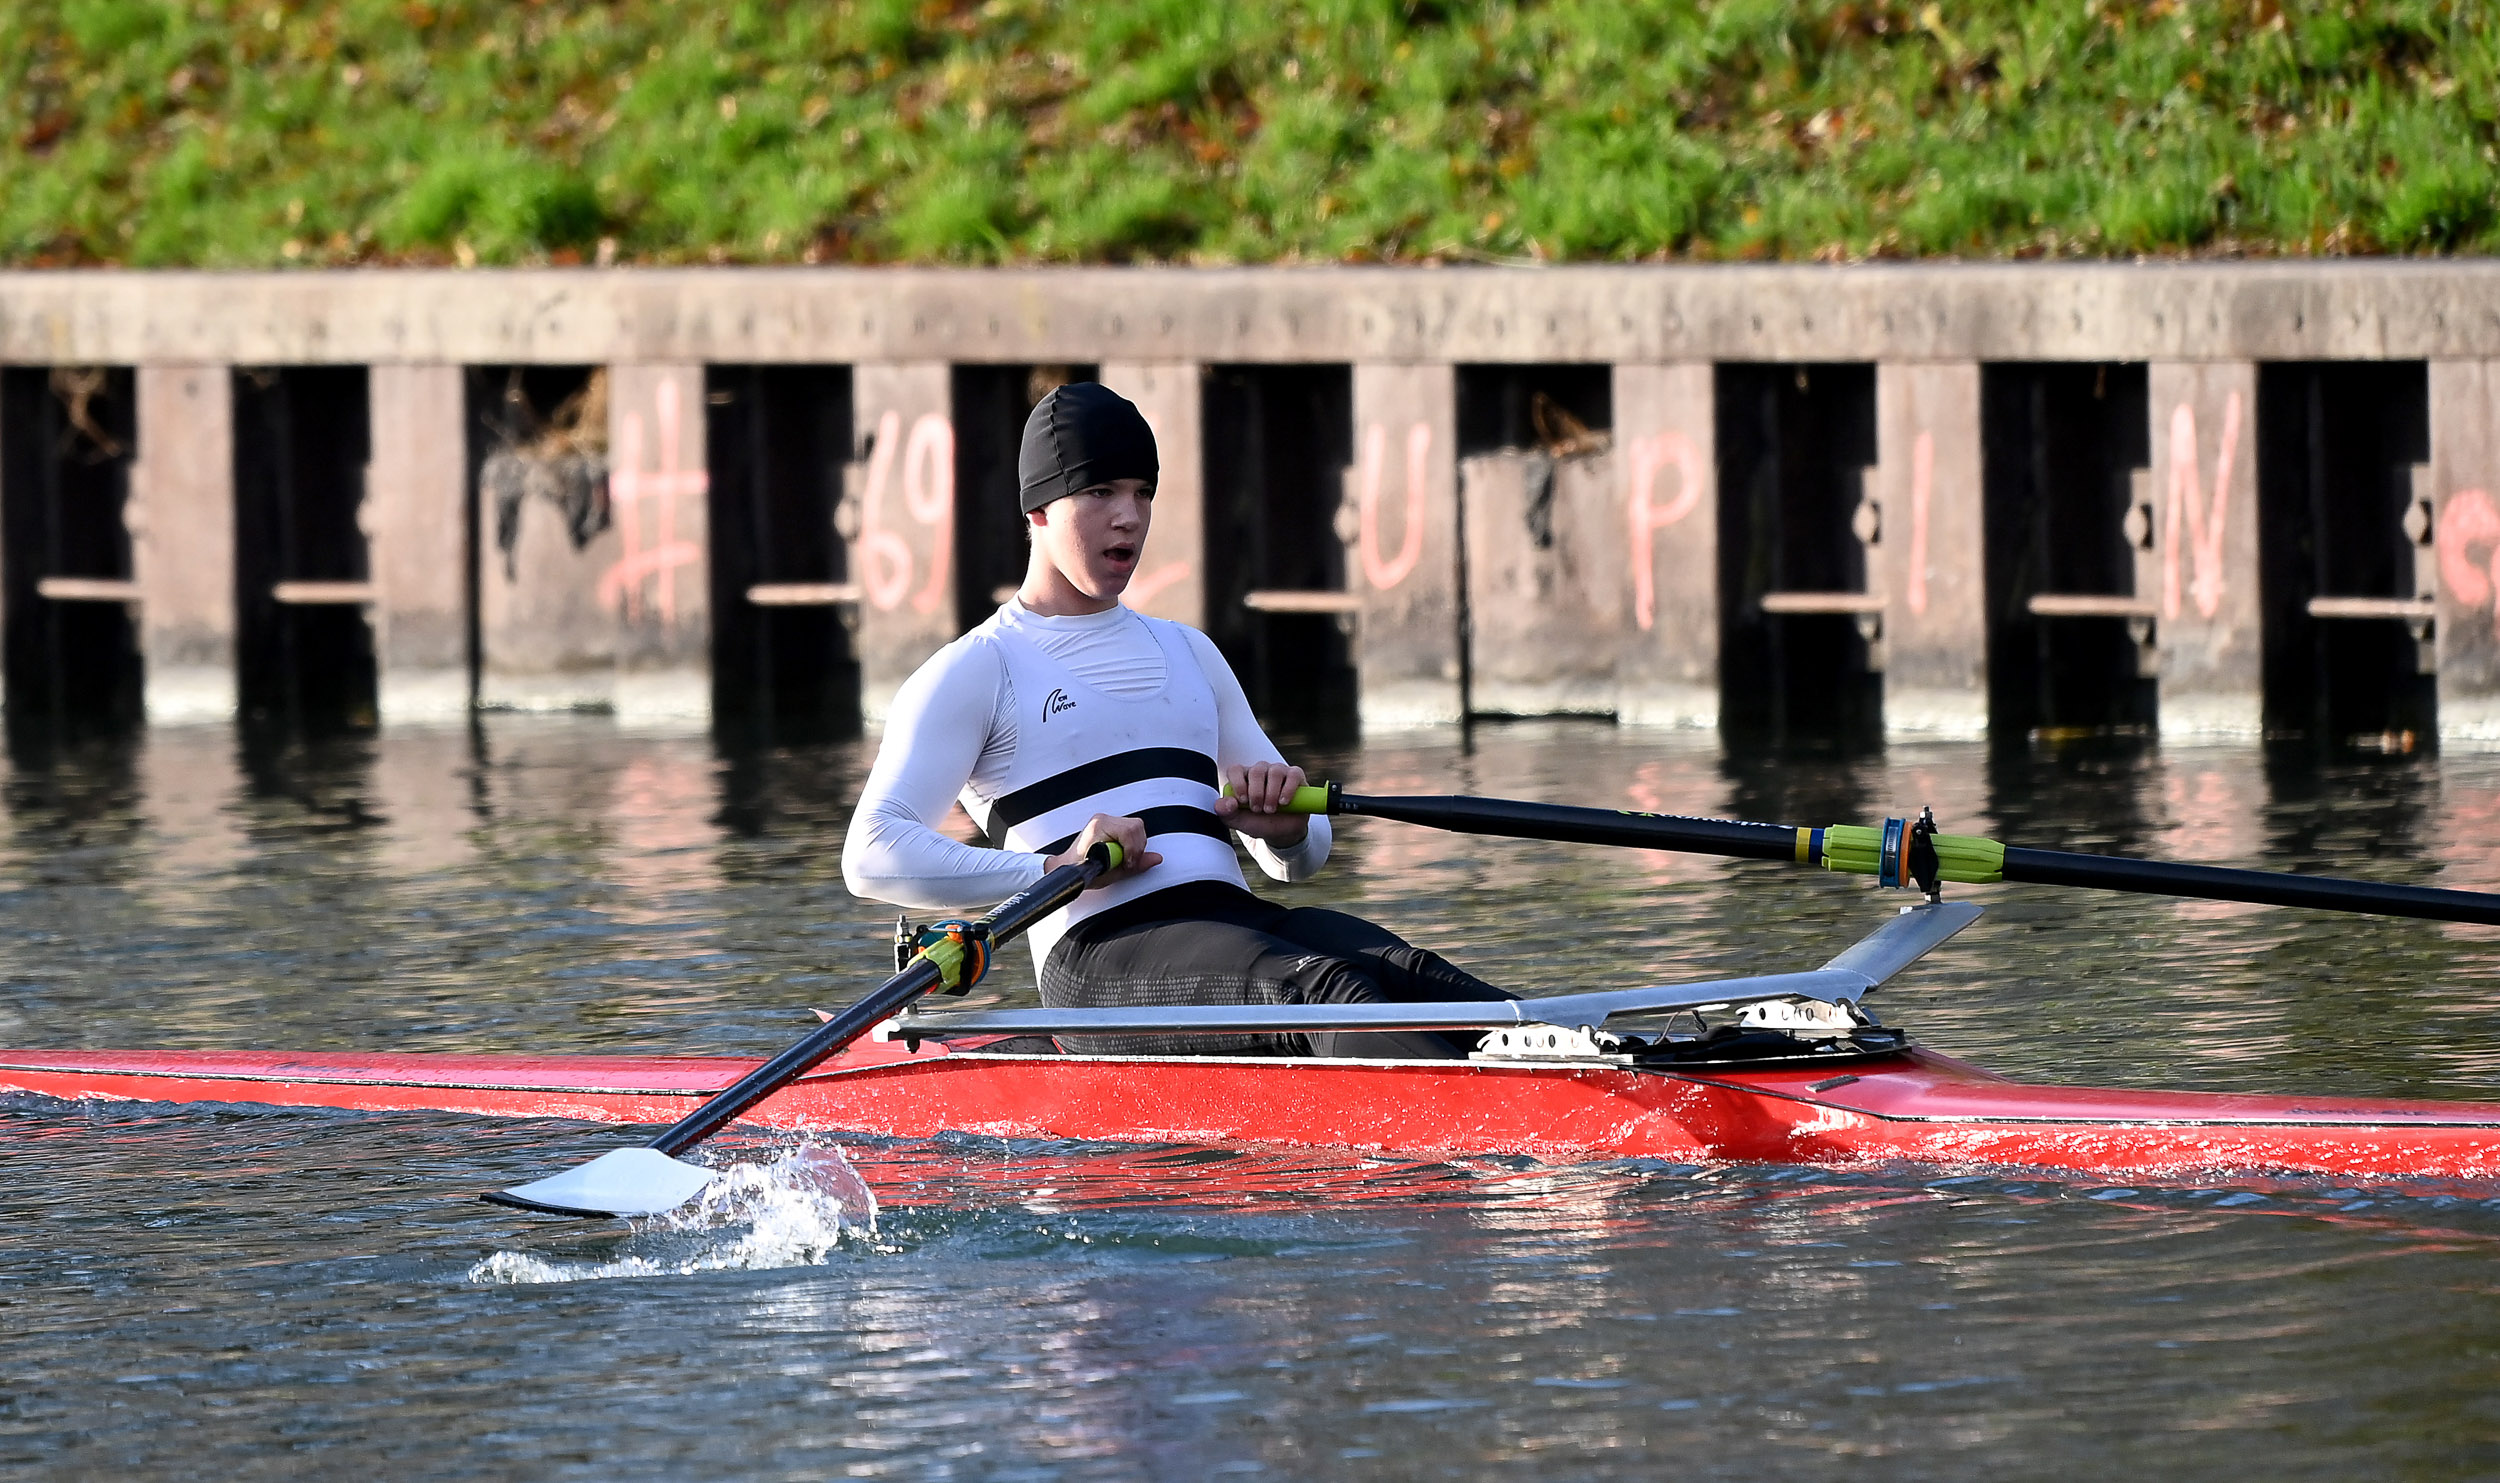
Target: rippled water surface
250, 1293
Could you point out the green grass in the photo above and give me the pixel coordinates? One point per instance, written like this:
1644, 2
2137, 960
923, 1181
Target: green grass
504, 131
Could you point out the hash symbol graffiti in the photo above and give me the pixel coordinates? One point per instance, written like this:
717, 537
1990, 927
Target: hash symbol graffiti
651, 555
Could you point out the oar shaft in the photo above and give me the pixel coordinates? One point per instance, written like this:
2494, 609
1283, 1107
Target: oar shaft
1012, 917
881, 1004
2260, 887
1962, 858
1574, 825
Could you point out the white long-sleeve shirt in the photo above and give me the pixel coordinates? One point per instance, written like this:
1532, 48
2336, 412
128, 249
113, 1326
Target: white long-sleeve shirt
953, 733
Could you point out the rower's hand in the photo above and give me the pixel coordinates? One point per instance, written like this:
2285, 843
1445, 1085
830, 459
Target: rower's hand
1259, 792
1129, 834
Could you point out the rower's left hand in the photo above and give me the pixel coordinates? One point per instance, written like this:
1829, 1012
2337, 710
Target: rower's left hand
1259, 791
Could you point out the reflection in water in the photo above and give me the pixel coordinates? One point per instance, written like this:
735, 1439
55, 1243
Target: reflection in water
257, 1293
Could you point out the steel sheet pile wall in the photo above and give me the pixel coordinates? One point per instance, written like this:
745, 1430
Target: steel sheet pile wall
1573, 569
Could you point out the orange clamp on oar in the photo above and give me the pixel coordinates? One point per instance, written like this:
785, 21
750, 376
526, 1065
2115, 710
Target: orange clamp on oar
961, 951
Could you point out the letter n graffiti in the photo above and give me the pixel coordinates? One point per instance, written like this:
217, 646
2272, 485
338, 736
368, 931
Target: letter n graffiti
2189, 512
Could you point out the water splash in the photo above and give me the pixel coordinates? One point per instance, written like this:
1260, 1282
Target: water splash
793, 1211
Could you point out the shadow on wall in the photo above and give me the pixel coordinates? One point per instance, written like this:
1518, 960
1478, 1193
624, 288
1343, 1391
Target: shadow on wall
784, 662
68, 438
1795, 443
2338, 550
304, 649
2062, 445
1278, 442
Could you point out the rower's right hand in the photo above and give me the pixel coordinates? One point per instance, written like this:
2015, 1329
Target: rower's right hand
1129, 834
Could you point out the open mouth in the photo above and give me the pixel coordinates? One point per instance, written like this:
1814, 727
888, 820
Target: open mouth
1121, 554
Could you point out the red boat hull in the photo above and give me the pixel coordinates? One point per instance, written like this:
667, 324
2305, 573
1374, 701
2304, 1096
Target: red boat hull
1916, 1107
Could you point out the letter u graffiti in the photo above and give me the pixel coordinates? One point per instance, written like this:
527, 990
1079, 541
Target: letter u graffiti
1382, 573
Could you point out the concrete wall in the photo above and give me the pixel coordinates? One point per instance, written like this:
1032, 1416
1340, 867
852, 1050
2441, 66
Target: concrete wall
181, 518
1929, 556
2464, 487
1546, 602
1641, 315
1601, 599
418, 540
1666, 468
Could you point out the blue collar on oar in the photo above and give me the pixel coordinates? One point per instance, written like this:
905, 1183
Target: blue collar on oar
651, 1179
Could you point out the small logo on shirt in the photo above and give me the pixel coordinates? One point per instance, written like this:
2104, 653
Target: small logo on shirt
1055, 702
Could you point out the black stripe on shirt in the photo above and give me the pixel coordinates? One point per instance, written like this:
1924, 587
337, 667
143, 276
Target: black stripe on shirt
1100, 776
1176, 819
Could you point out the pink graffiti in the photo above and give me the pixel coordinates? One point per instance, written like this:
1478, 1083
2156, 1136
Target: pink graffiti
885, 557
1381, 575
1146, 588
629, 490
2203, 520
1649, 455
929, 494
2468, 519
1922, 490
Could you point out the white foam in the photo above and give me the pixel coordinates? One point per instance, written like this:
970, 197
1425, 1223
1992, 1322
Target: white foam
795, 1211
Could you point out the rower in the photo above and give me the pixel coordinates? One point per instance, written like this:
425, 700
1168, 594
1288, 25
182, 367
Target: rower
1065, 719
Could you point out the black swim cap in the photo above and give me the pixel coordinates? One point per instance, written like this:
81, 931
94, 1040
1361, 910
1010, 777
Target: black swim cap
1081, 435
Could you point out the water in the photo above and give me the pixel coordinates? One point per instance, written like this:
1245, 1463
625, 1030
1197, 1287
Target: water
241, 1293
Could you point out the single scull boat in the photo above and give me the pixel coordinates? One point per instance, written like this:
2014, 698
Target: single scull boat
1779, 1068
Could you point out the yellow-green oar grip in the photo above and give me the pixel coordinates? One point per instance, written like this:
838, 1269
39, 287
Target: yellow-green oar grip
1966, 858
1309, 799
1109, 852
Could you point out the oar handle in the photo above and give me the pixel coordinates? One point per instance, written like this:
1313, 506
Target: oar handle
1010, 919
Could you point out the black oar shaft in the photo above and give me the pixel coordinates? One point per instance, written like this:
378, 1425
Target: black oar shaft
1011, 919
1574, 825
1745, 841
881, 1004
2260, 887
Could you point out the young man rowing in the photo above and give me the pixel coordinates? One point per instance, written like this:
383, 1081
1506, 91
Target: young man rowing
1066, 719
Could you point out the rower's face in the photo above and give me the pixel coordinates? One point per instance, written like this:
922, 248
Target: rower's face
1095, 537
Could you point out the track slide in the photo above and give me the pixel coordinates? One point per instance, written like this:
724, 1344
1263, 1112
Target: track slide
1881, 954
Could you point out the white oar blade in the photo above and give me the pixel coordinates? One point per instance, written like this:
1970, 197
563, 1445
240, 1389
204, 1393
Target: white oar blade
624, 1181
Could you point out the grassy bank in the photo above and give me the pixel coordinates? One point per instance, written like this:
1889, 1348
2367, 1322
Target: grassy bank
204, 133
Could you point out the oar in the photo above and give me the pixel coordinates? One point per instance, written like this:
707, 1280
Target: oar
1901, 851
651, 1178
